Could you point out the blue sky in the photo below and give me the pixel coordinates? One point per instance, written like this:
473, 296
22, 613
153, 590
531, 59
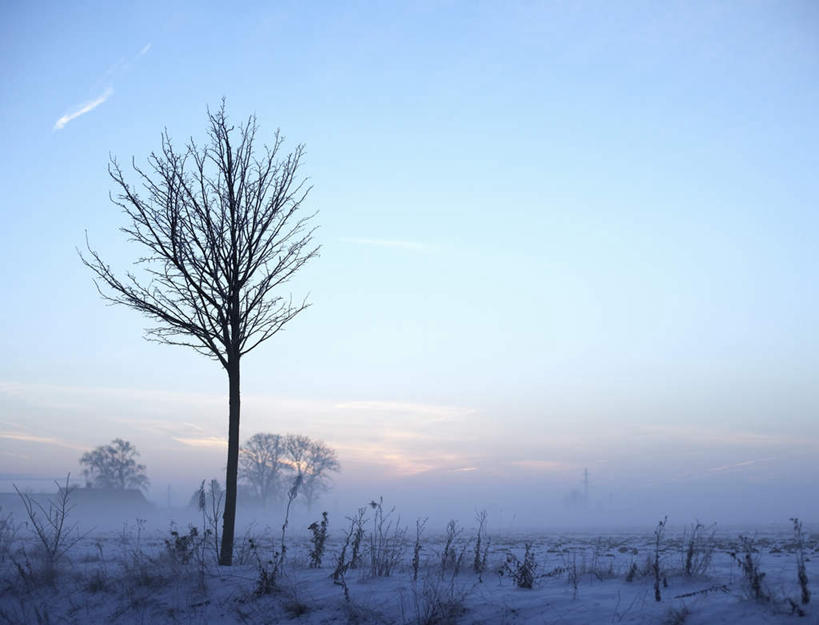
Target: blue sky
555, 235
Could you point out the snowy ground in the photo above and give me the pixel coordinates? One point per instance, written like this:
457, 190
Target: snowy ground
133, 576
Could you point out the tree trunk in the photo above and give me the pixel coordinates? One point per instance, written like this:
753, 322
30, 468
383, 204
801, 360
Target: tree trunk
232, 473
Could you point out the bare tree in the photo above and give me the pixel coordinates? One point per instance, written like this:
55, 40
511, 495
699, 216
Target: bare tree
262, 465
314, 461
114, 466
296, 447
222, 233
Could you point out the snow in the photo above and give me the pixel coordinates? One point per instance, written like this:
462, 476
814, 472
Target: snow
130, 576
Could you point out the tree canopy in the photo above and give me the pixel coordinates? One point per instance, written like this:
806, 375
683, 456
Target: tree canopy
114, 466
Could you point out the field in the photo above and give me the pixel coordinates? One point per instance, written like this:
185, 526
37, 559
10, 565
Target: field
374, 570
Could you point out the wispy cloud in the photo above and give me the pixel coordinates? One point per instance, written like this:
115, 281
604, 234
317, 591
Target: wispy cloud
725, 437
83, 109
412, 246
119, 68
31, 438
207, 441
738, 465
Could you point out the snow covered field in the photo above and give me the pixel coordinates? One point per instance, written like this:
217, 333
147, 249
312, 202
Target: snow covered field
141, 573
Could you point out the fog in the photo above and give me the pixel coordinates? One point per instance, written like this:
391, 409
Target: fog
554, 239
436, 461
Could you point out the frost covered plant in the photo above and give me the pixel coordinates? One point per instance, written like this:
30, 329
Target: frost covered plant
8, 534
357, 537
452, 556
342, 563
182, 548
437, 601
449, 555
801, 572
209, 501
291, 497
522, 572
698, 544
416, 549
572, 573
748, 561
318, 538
632, 572
387, 541
267, 572
655, 566
481, 545
55, 535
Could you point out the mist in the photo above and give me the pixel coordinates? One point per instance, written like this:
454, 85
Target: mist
520, 293
440, 461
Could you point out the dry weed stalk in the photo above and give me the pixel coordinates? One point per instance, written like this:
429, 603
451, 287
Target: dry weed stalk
801, 572
655, 567
50, 526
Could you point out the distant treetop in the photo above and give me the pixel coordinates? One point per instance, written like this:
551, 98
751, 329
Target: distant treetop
114, 466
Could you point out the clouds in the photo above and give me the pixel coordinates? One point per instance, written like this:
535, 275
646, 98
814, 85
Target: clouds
31, 438
400, 438
427, 448
82, 109
207, 441
90, 105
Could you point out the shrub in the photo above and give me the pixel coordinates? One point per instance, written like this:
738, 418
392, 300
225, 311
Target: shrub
267, 572
572, 573
357, 537
801, 572
210, 502
481, 547
449, 556
437, 602
748, 562
8, 534
318, 538
55, 535
387, 541
97, 581
182, 548
632, 572
655, 566
416, 549
698, 543
522, 572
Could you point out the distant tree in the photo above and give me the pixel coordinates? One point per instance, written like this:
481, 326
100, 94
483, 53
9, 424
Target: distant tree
296, 447
262, 465
114, 466
314, 461
221, 232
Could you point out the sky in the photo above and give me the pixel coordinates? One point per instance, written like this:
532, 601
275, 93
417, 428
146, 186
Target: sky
555, 236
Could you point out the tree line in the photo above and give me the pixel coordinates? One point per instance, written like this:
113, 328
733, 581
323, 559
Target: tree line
268, 465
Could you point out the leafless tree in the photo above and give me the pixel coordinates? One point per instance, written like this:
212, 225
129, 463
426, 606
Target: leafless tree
262, 465
314, 461
222, 232
114, 466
